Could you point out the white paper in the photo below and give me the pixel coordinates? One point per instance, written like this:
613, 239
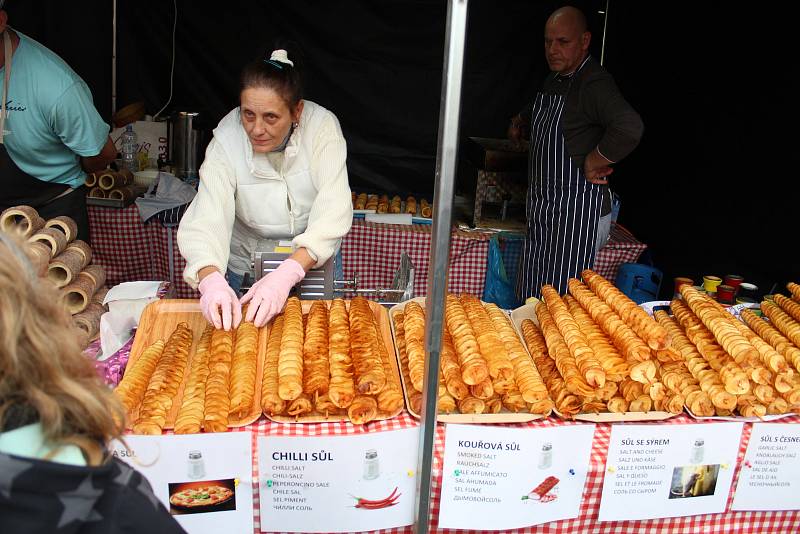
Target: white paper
132, 291
126, 302
490, 474
115, 331
226, 460
389, 218
312, 484
656, 471
132, 308
770, 475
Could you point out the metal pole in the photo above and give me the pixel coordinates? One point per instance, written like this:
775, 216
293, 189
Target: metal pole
605, 26
449, 110
114, 60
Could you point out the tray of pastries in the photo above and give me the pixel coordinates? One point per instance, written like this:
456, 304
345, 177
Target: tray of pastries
330, 361
371, 203
485, 373
748, 365
185, 375
606, 359
603, 358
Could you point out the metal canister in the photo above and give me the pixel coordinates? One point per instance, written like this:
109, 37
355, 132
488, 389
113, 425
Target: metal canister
185, 145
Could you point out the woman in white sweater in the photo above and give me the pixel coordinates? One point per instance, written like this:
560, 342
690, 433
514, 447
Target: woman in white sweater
275, 169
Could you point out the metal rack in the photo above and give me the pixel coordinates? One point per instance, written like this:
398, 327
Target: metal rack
402, 288
321, 283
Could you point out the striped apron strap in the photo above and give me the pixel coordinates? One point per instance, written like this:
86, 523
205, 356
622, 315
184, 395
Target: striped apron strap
562, 207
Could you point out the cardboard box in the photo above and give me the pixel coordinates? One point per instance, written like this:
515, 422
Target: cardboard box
151, 138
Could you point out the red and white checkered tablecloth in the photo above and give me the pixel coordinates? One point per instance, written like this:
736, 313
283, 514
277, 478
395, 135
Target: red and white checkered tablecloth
120, 243
586, 523
373, 252
622, 247
131, 250
161, 237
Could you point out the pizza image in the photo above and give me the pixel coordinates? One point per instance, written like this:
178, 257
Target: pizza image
201, 496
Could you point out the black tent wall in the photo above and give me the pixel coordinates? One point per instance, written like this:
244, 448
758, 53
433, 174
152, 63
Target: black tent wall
711, 187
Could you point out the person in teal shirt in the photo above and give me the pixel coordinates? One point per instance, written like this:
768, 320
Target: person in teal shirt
51, 135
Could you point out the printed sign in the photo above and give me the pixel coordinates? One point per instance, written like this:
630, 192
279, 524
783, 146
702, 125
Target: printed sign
656, 471
204, 480
770, 475
502, 478
338, 483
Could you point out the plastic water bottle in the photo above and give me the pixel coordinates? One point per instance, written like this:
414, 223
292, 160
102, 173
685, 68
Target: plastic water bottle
129, 140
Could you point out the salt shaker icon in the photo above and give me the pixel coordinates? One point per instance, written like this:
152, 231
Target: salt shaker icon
546, 456
698, 451
197, 468
372, 468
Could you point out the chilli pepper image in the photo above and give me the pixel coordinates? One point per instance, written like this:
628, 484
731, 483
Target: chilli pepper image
369, 504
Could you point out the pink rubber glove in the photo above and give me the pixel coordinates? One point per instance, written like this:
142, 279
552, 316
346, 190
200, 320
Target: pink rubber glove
268, 295
217, 295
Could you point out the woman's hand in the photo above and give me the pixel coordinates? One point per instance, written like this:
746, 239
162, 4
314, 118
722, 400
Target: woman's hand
268, 295
219, 302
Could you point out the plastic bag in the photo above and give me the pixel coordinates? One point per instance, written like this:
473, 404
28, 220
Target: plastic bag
497, 288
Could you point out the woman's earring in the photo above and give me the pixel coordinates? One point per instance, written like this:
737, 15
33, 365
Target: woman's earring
295, 124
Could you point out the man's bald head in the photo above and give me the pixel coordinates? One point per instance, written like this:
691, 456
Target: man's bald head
566, 39
570, 16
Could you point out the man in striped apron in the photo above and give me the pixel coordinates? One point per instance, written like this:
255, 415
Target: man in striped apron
579, 126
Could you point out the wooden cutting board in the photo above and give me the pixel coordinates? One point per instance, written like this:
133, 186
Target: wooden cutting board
158, 321
382, 318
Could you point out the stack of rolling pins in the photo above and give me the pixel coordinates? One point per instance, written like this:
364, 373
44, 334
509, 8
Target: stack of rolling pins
111, 184
65, 261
